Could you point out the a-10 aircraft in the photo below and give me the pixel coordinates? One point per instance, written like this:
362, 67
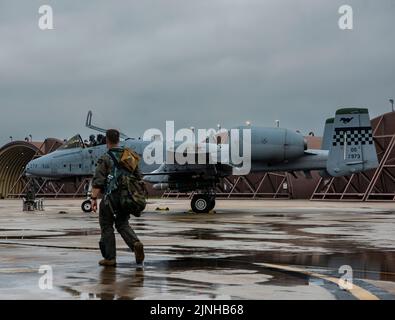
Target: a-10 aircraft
347, 148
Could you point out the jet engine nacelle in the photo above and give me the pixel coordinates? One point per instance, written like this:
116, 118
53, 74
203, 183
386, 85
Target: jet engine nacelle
275, 144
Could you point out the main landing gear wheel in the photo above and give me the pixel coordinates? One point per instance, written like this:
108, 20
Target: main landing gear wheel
212, 204
86, 206
202, 203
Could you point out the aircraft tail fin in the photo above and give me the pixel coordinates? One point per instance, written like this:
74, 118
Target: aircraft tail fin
328, 133
351, 148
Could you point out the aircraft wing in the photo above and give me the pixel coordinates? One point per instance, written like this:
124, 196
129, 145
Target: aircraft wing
194, 175
311, 152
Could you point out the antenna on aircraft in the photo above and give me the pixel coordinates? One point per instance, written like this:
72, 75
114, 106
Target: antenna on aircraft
89, 125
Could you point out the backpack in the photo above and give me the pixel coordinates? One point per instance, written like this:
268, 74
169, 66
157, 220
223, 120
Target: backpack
126, 183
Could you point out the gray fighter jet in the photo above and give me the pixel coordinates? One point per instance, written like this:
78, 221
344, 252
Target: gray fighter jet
347, 148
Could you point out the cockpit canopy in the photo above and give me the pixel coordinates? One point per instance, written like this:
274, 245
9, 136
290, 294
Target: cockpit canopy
77, 142
73, 143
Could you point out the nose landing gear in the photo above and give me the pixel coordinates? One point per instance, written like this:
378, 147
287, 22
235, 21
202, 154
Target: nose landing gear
86, 206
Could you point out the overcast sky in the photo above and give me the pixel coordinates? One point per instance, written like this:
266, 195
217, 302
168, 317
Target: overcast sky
198, 62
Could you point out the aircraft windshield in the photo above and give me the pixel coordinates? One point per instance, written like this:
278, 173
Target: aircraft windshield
74, 142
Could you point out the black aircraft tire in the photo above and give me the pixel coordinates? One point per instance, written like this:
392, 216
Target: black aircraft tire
200, 204
86, 206
211, 204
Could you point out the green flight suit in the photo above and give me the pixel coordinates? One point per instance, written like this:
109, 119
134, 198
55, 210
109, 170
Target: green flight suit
109, 213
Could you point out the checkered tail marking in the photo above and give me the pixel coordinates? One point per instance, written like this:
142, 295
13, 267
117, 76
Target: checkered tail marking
353, 136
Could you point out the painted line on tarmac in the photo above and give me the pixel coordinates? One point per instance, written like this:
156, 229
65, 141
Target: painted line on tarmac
17, 270
356, 291
47, 246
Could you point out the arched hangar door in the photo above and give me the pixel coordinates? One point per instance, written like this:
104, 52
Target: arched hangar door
14, 157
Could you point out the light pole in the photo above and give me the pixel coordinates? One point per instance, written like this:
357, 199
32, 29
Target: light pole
392, 104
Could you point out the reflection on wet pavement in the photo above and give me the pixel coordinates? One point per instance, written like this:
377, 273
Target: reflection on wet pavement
211, 256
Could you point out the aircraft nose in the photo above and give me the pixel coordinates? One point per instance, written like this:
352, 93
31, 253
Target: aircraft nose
32, 167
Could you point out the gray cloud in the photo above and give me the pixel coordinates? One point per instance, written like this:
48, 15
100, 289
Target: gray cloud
198, 62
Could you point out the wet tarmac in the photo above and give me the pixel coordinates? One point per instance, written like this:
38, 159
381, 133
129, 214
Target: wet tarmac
247, 249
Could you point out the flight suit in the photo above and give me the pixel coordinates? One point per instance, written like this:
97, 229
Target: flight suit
109, 213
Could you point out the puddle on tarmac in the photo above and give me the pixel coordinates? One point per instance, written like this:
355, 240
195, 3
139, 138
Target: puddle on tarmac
175, 267
180, 275
365, 264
